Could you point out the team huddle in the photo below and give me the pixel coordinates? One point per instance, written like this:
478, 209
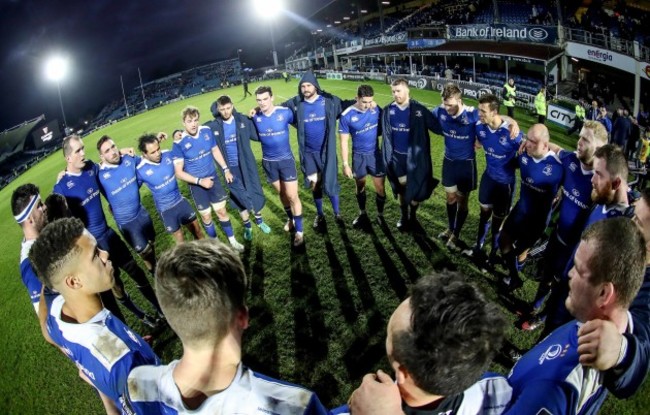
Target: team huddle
593, 298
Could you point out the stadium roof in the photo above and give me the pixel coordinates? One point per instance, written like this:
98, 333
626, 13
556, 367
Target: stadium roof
13, 141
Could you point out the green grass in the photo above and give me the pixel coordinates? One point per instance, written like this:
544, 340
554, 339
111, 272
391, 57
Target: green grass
317, 319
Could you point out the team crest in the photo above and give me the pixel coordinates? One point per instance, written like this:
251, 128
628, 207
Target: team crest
464, 120
554, 351
91, 173
548, 170
70, 184
443, 117
524, 161
482, 134
573, 166
106, 176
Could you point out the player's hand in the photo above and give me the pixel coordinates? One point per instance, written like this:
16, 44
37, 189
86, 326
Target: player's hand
206, 182
599, 344
377, 395
522, 147
514, 129
228, 175
127, 151
60, 175
161, 136
253, 111
347, 171
477, 145
373, 104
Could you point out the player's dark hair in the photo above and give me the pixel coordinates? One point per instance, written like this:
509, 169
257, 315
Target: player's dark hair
455, 331
451, 90
145, 139
57, 207
262, 89
645, 195
491, 100
55, 246
399, 81
623, 266
615, 159
190, 111
101, 142
67, 147
365, 91
174, 133
21, 197
224, 100
201, 285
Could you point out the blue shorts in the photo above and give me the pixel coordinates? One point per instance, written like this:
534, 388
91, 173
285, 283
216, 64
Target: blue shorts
460, 174
313, 163
283, 170
368, 163
179, 214
139, 231
203, 197
524, 228
495, 195
398, 164
239, 197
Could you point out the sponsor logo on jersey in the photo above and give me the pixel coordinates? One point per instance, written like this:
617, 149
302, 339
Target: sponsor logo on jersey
149, 172
188, 146
391, 112
530, 180
402, 125
168, 161
242, 125
490, 150
575, 192
418, 113
127, 163
354, 119
280, 117
503, 140
312, 115
548, 170
106, 175
216, 132
259, 119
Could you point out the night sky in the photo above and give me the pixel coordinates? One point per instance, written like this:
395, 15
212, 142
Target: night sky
104, 39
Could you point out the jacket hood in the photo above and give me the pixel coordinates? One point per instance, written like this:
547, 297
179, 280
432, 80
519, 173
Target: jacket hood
309, 77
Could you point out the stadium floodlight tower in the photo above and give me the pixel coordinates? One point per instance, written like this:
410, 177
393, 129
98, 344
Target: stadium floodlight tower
56, 69
269, 10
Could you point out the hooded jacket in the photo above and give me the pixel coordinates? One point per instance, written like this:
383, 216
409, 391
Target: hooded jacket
247, 163
419, 178
333, 108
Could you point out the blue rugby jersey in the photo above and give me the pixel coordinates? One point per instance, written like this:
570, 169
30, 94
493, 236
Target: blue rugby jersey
196, 153
600, 212
152, 390
400, 123
315, 124
540, 181
362, 126
28, 275
576, 199
500, 151
120, 187
161, 181
103, 348
459, 132
273, 132
230, 140
82, 192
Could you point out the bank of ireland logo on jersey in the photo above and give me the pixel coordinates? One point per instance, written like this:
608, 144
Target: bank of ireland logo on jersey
548, 170
575, 192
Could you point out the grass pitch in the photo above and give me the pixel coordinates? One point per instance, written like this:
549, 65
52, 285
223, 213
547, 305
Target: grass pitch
317, 319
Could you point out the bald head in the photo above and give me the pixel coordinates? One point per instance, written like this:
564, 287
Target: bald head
537, 140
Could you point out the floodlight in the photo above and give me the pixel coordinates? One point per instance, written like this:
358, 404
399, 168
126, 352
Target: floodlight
268, 9
56, 68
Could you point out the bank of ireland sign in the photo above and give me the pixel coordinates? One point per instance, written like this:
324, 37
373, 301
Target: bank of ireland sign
503, 32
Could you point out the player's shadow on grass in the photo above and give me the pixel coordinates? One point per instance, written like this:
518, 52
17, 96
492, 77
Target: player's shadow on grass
410, 269
359, 275
311, 332
343, 296
260, 337
392, 272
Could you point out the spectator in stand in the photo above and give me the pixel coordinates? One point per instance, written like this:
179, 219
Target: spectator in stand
604, 119
621, 128
593, 112
540, 105
643, 117
510, 96
580, 117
